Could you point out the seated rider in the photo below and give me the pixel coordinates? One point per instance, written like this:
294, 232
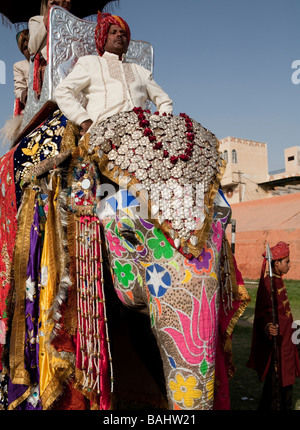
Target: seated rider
110, 84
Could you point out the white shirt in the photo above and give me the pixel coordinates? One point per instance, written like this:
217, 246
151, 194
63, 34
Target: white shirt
37, 36
21, 76
110, 86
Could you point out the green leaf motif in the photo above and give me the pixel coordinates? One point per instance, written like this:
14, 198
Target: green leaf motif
160, 246
203, 367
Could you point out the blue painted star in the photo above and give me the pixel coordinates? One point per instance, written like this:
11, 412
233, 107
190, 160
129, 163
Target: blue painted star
158, 280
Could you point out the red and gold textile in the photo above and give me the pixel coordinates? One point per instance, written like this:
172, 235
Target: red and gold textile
8, 228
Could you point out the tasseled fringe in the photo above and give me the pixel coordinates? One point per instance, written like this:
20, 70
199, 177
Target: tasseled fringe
63, 355
18, 26
65, 281
111, 6
6, 22
64, 286
11, 130
94, 359
226, 284
232, 289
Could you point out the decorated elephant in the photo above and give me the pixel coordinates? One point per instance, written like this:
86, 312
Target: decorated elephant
170, 267
141, 192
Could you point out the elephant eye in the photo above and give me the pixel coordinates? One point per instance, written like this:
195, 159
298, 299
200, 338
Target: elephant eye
130, 236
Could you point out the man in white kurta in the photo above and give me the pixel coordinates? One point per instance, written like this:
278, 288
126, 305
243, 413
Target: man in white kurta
21, 72
109, 84
21, 77
38, 36
38, 27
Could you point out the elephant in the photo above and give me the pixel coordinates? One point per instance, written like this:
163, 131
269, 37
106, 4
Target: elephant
140, 191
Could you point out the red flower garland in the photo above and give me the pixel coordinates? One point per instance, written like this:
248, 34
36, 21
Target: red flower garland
144, 123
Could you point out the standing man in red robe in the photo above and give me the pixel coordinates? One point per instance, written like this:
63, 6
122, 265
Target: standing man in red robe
281, 363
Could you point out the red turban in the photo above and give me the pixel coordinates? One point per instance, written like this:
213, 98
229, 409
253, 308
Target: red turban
279, 251
104, 20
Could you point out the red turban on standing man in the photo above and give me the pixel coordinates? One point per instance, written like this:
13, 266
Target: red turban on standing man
279, 251
104, 20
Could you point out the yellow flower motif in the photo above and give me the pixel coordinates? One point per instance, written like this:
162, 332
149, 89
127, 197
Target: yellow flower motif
210, 387
32, 151
184, 390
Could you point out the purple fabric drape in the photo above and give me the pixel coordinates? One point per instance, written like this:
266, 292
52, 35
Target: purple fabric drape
31, 352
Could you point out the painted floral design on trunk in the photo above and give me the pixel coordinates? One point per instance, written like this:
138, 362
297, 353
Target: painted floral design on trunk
196, 340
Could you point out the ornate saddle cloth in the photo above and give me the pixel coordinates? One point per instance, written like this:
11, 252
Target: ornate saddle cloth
172, 163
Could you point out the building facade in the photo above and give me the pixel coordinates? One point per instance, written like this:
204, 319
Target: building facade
246, 177
265, 205
247, 166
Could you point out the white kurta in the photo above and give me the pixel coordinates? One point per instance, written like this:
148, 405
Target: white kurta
110, 86
37, 36
21, 76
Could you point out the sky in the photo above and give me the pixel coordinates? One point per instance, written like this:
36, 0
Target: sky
231, 65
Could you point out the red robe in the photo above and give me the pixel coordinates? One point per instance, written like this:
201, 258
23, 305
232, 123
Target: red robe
262, 345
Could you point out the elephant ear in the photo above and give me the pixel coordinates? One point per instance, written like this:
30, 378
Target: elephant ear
172, 164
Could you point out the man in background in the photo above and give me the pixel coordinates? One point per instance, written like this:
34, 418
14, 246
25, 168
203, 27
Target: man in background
273, 354
21, 73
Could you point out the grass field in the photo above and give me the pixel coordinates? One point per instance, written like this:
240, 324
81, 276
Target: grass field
245, 389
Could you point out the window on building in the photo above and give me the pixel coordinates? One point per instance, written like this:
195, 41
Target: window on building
291, 158
225, 155
234, 156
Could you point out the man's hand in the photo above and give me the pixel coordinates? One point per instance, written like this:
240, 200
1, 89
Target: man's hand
272, 329
23, 97
85, 125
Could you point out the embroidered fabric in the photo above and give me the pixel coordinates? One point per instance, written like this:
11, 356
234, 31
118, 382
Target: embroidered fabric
179, 178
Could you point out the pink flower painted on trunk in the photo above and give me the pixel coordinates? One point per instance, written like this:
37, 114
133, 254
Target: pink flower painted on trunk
197, 339
114, 244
